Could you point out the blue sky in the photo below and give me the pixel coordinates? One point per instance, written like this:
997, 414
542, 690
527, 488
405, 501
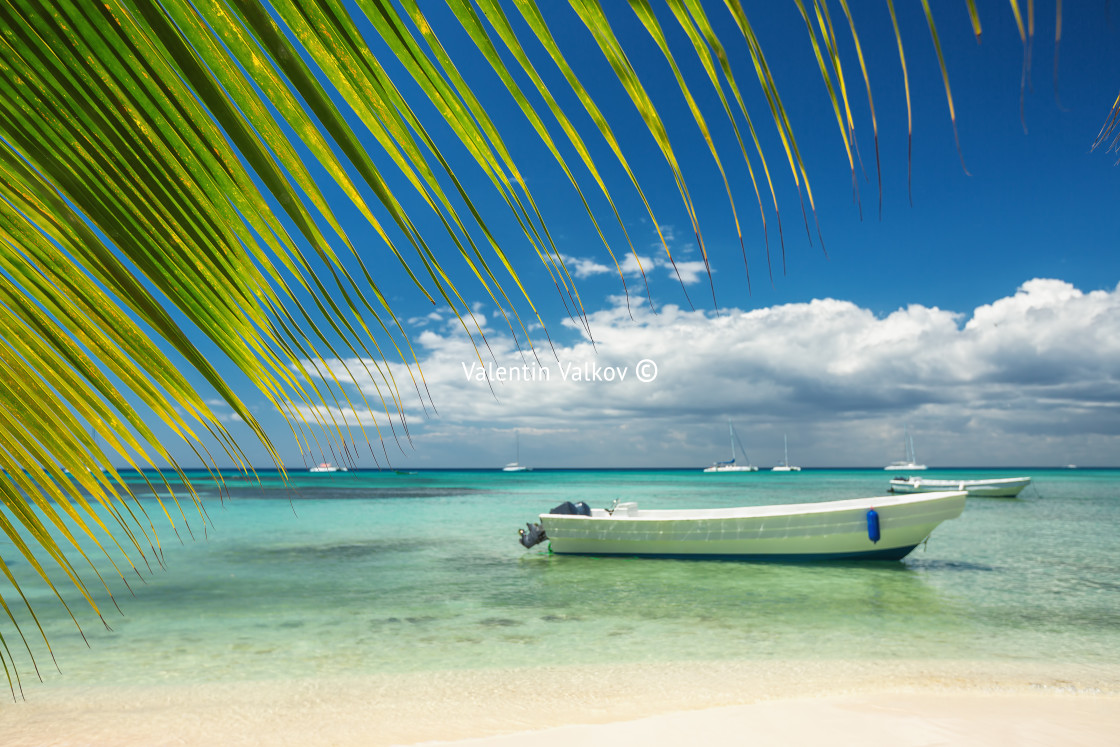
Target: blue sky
983, 316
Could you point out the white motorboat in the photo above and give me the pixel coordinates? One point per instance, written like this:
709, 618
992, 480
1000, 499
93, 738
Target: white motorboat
730, 465
326, 467
999, 487
881, 528
911, 463
785, 466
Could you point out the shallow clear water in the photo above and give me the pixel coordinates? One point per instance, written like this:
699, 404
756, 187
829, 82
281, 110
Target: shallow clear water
368, 572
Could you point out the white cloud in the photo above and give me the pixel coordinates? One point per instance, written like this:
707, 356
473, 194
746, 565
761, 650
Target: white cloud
222, 411
636, 266
1029, 379
583, 267
653, 265
690, 272
420, 321
668, 233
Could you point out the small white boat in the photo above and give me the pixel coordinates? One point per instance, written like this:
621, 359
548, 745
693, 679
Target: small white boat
881, 528
326, 467
999, 487
785, 466
911, 463
730, 465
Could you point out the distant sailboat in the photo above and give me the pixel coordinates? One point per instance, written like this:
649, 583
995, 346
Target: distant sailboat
729, 465
785, 465
911, 463
516, 466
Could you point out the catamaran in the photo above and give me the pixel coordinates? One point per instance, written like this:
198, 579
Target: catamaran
911, 463
730, 465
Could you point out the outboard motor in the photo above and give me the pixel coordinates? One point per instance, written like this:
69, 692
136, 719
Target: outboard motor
567, 508
532, 535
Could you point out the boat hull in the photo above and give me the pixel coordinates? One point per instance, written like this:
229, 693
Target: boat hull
894, 553
1004, 487
835, 530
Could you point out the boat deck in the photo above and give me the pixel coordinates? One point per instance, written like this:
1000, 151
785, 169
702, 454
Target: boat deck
631, 511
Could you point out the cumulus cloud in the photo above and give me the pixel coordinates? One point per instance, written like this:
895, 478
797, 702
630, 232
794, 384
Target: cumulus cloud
1031, 378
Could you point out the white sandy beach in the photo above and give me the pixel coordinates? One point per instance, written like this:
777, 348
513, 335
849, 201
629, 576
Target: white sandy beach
869, 720
895, 703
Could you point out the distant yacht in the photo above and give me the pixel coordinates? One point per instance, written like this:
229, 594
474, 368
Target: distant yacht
326, 467
785, 465
729, 465
516, 466
911, 463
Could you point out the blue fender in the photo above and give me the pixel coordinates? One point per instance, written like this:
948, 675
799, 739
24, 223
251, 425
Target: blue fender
873, 525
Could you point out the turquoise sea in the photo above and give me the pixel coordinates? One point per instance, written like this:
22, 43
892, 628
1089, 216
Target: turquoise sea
378, 572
